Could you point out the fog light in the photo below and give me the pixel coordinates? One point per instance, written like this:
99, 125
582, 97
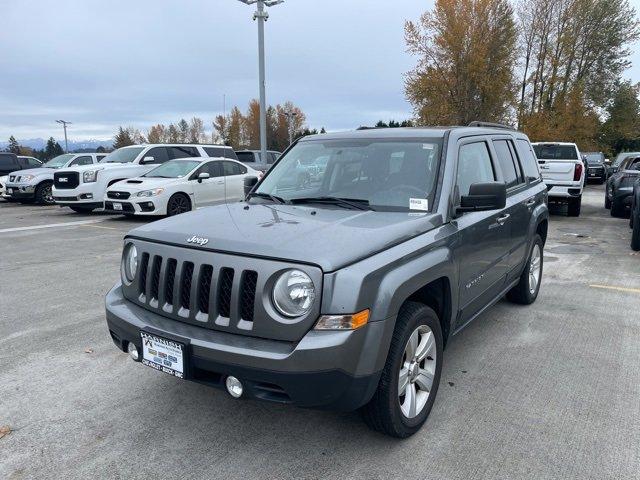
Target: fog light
133, 351
234, 387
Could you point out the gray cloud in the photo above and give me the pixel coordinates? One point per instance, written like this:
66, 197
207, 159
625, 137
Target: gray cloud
101, 64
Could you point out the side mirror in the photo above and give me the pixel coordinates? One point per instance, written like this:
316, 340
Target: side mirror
203, 176
146, 160
484, 196
249, 183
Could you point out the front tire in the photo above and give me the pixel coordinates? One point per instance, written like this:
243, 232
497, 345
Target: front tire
43, 194
177, 204
411, 375
573, 206
526, 291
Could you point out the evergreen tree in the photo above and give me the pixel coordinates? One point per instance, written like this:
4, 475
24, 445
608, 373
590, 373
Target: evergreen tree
13, 146
122, 138
52, 149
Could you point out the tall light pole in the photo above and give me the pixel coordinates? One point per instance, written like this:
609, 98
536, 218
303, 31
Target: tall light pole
261, 16
290, 116
64, 124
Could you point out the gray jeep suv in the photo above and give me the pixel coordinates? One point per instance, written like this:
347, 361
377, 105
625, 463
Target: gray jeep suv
340, 293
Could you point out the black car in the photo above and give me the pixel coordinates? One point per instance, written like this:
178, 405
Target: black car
634, 219
619, 189
596, 168
10, 162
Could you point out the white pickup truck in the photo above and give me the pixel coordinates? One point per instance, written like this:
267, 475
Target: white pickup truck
83, 188
563, 172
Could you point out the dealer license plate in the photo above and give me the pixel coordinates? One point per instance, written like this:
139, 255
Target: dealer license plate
163, 354
117, 206
9, 191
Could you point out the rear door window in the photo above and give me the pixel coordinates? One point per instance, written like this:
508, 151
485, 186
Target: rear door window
508, 164
246, 157
232, 168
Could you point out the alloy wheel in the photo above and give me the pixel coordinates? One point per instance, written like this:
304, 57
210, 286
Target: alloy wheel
417, 371
534, 269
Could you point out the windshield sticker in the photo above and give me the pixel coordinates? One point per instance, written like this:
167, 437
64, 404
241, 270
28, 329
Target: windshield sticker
418, 204
427, 146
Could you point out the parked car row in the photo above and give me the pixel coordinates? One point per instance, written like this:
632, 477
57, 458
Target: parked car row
152, 179
622, 193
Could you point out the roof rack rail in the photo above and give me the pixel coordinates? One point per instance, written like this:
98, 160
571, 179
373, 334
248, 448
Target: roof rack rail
476, 123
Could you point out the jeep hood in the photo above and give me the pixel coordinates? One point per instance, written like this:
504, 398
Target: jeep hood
330, 238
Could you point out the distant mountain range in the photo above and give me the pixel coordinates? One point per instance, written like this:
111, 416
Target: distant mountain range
39, 144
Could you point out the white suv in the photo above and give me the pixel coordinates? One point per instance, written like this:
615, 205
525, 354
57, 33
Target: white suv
563, 172
83, 188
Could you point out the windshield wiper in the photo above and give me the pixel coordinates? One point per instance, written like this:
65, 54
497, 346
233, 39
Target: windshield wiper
268, 196
353, 203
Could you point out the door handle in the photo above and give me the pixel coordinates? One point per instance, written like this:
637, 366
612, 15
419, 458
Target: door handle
530, 203
501, 220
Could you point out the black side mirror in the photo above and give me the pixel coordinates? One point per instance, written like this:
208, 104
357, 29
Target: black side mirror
249, 183
484, 196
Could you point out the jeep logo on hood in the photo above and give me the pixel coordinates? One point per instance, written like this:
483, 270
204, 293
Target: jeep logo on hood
198, 240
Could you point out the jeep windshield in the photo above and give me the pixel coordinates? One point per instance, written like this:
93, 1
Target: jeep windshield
59, 161
123, 155
358, 174
173, 169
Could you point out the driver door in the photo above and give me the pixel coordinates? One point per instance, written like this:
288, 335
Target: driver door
209, 191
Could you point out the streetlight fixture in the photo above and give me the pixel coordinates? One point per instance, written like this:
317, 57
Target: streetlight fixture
290, 116
64, 124
261, 16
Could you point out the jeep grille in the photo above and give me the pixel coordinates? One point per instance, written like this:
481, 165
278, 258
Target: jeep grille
215, 290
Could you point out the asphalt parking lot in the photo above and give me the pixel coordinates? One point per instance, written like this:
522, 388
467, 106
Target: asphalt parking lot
547, 391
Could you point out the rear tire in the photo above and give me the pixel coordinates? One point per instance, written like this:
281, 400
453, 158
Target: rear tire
43, 194
573, 206
526, 291
419, 363
82, 209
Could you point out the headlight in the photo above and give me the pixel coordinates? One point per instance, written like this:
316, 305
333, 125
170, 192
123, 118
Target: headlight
130, 262
90, 176
150, 193
26, 178
294, 293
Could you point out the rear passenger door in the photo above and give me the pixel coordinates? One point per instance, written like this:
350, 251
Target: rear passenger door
517, 197
482, 249
234, 174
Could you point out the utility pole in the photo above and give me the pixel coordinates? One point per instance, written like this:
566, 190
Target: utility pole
261, 15
290, 116
64, 124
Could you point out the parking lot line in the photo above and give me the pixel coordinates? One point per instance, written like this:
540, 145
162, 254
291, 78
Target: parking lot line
100, 226
620, 289
52, 225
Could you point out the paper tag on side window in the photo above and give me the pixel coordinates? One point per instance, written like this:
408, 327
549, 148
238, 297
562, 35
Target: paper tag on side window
418, 204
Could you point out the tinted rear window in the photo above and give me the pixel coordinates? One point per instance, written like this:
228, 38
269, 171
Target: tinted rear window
556, 152
7, 160
246, 157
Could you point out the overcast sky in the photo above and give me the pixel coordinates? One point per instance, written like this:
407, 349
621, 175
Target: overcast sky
104, 63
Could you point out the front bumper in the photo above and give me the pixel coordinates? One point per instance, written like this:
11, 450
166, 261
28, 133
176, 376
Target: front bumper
337, 370
134, 207
82, 196
21, 192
